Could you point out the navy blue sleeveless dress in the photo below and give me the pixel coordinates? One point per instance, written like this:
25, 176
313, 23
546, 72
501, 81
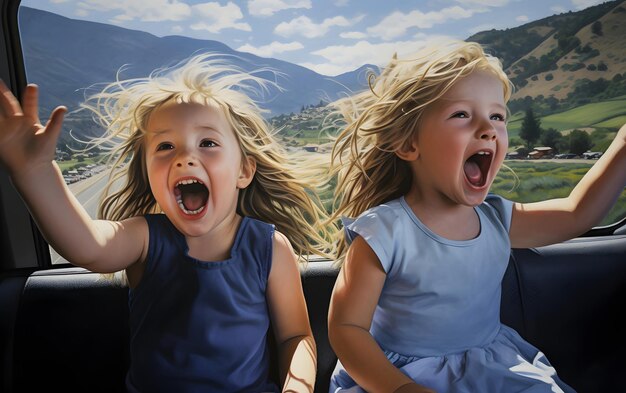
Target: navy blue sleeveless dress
201, 326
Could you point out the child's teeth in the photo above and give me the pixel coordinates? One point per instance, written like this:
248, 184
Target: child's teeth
193, 212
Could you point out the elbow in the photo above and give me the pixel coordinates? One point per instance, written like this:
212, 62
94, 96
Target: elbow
335, 339
88, 259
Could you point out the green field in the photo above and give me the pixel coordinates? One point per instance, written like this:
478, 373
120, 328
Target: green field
530, 181
606, 114
74, 163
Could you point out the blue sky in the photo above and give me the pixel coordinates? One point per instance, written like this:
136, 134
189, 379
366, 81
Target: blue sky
329, 37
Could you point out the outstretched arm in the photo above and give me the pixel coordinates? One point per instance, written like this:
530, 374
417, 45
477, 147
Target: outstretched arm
27, 151
352, 306
296, 347
552, 221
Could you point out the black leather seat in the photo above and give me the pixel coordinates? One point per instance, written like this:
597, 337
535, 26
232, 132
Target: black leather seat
67, 329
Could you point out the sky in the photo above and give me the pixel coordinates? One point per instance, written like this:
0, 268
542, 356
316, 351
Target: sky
330, 37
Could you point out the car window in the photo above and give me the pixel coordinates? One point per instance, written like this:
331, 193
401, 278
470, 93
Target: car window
564, 60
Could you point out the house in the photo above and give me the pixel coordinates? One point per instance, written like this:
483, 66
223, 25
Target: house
541, 152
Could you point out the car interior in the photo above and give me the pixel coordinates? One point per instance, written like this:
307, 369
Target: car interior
63, 328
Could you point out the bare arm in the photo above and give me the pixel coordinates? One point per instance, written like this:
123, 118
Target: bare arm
290, 319
352, 306
556, 220
27, 150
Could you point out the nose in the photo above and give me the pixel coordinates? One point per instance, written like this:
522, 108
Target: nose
488, 134
186, 159
487, 131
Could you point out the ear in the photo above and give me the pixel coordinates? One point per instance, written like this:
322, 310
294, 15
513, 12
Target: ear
409, 150
246, 173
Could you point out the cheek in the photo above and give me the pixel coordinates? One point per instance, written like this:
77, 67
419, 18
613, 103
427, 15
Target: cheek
156, 178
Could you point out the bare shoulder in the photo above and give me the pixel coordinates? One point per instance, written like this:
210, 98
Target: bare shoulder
137, 228
282, 245
134, 229
283, 257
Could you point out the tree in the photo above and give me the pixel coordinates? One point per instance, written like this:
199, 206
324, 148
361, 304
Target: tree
551, 138
531, 128
579, 142
596, 28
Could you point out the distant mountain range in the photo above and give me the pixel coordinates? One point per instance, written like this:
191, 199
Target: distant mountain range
561, 61
64, 56
553, 56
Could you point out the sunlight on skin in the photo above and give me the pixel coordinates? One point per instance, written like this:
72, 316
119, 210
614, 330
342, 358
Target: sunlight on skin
304, 355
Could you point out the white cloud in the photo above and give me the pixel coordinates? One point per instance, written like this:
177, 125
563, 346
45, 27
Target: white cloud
271, 49
353, 35
345, 58
120, 19
214, 17
306, 27
152, 11
176, 30
270, 7
522, 18
581, 4
397, 23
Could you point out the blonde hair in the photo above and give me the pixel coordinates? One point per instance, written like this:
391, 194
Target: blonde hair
380, 121
283, 190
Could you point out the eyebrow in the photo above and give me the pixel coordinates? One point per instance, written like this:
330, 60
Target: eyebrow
199, 126
462, 101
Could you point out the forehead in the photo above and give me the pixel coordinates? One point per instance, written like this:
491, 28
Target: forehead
176, 114
478, 85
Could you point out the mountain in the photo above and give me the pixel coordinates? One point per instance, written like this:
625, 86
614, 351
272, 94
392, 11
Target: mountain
98, 51
566, 59
556, 63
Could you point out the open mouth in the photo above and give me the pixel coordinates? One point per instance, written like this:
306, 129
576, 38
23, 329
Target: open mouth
476, 168
191, 196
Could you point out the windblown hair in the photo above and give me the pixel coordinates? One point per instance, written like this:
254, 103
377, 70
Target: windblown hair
284, 188
380, 121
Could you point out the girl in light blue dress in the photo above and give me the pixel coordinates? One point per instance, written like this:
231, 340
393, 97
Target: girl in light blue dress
416, 306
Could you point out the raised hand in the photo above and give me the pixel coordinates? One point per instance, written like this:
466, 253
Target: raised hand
25, 143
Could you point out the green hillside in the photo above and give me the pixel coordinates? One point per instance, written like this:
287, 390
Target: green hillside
610, 114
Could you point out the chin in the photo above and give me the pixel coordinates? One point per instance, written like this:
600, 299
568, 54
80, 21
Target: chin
474, 198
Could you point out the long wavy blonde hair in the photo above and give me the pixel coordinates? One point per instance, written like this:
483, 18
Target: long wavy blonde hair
284, 190
380, 121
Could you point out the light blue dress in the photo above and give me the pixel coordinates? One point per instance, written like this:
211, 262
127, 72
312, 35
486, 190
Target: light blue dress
438, 316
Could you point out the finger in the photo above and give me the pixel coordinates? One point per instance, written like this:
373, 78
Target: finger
30, 102
53, 126
8, 103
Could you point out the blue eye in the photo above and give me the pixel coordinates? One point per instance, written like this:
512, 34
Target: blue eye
460, 115
165, 146
497, 117
207, 143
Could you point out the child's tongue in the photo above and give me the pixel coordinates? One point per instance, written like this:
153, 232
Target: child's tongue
193, 200
472, 172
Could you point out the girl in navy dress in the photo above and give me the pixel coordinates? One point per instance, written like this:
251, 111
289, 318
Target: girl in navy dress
201, 214
416, 304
